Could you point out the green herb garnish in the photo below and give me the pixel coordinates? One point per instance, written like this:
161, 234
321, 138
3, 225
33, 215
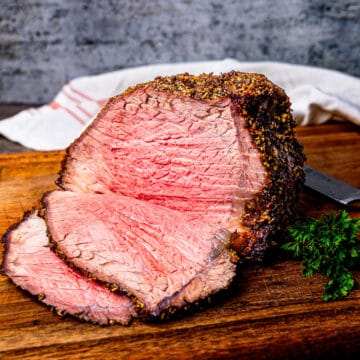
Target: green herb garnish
330, 247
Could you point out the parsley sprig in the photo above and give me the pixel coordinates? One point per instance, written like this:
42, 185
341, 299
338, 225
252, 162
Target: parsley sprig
330, 246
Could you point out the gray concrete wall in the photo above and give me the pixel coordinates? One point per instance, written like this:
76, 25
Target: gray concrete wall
45, 43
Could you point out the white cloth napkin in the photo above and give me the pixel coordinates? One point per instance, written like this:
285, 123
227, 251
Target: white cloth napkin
316, 94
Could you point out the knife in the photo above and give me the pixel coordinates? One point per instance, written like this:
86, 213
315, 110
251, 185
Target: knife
332, 188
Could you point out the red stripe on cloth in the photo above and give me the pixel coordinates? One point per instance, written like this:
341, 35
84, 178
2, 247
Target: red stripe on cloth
76, 117
55, 105
85, 112
101, 102
77, 101
31, 111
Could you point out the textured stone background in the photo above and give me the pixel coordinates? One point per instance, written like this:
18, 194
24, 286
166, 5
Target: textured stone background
45, 43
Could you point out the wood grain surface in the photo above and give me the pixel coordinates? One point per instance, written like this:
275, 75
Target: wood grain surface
271, 312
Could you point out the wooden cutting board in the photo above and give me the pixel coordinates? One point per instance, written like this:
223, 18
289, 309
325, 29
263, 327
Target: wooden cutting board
271, 312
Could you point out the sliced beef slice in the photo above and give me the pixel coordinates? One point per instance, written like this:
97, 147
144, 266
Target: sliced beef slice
165, 257
30, 263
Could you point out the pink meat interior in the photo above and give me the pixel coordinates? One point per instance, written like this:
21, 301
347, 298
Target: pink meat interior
184, 154
146, 249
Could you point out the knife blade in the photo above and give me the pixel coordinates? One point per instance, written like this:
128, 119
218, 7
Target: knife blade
331, 187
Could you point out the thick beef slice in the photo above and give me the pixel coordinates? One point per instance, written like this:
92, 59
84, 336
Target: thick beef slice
174, 151
30, 263
153, 252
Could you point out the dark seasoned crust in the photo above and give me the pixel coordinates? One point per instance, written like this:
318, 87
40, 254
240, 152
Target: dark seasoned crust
214, 87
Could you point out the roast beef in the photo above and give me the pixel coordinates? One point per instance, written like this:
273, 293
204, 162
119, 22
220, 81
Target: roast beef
173, 177
30, 263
